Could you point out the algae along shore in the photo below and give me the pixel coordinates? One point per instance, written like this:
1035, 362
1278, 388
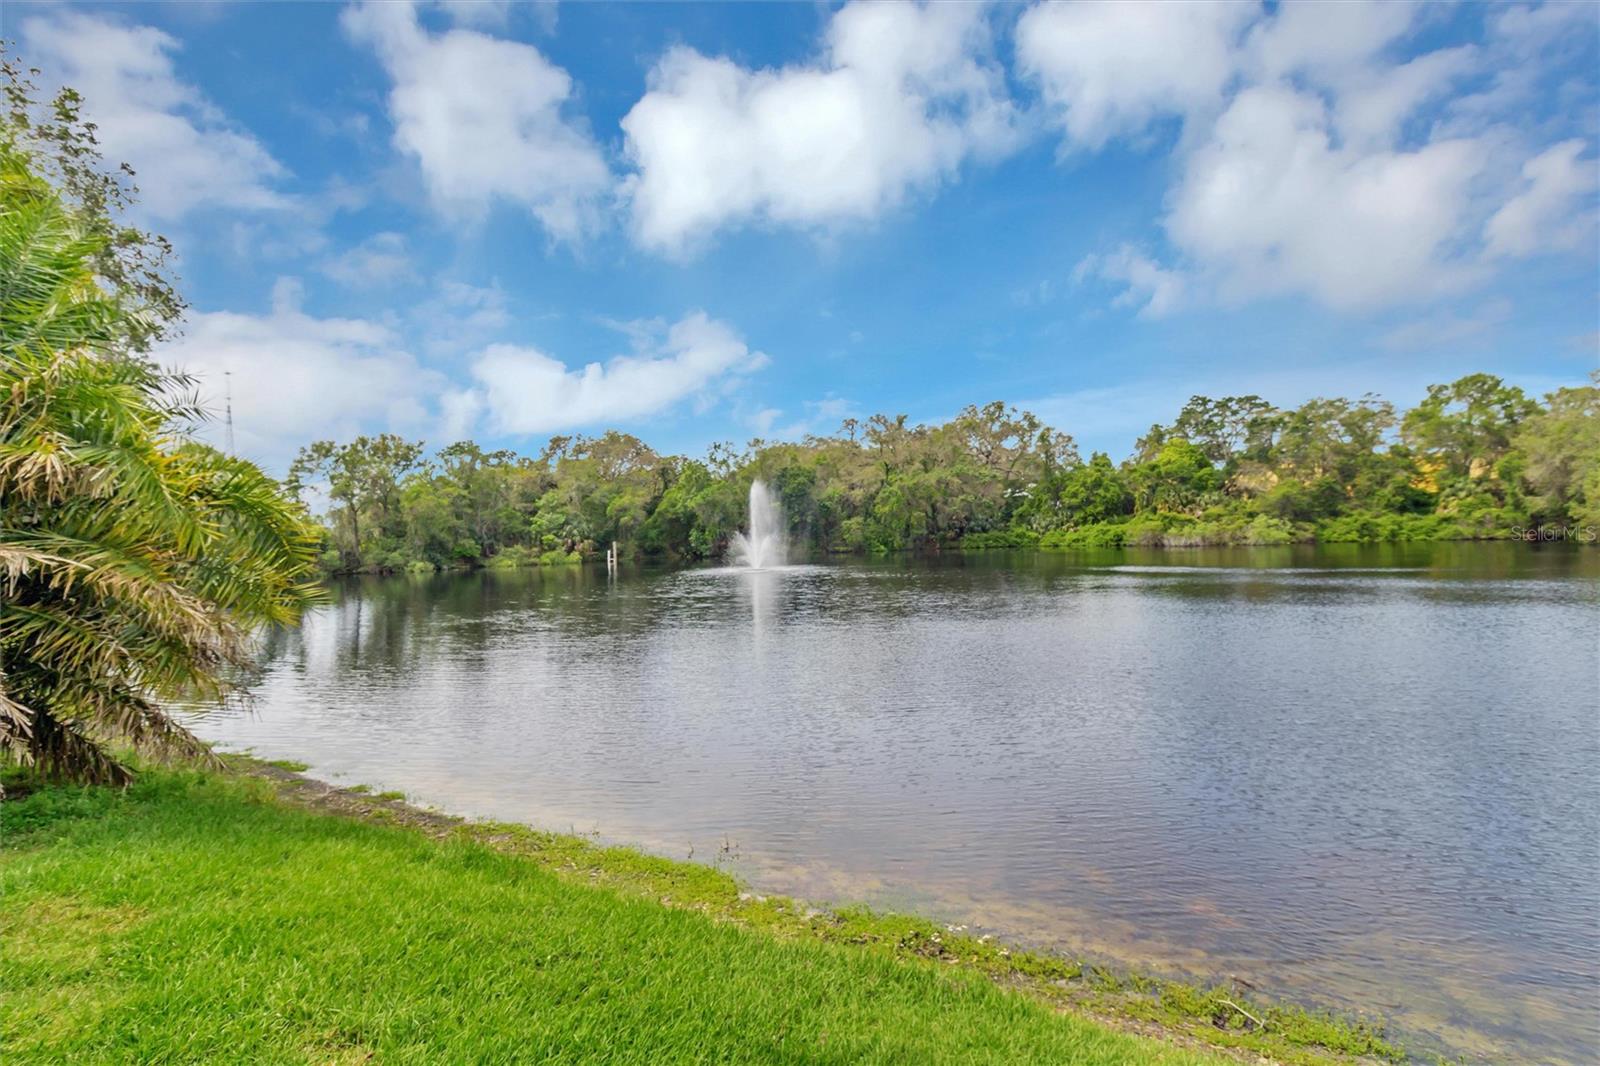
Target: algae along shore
249, 914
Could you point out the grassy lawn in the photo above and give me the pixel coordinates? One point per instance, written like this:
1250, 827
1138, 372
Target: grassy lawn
191, 921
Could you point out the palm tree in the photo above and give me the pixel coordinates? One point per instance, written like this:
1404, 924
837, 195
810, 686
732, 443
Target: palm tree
135, 565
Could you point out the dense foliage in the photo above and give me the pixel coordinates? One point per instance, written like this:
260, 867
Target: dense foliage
134, 563
1476, 458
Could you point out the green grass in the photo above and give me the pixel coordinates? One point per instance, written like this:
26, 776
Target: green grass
214, 918
196, 919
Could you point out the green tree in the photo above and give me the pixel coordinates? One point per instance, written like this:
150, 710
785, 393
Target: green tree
134, 565
1180, 478
1094, 492
884, 484
362, 479
1463, 429
1560, 449
62, 150
1227, 428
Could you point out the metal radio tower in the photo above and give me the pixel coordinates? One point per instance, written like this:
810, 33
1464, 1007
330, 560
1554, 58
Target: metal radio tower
227, 392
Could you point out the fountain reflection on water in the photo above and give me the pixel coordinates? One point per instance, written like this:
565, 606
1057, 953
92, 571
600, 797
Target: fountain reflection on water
765, 546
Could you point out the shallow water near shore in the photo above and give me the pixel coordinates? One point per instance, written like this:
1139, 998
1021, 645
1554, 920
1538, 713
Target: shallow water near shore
1361, 778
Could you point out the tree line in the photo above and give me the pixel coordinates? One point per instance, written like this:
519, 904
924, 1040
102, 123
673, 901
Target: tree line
1477, 458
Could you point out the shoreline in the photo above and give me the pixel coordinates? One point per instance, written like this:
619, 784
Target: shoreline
1168, 1020
985, 544
1220, 1017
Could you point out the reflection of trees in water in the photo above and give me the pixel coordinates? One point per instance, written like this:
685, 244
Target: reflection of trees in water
1044, 727
393, 623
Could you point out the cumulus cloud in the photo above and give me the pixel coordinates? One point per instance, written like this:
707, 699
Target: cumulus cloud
901, 96
1273, 204
524, 390
1109, 68
1318, 153
458, 414
1324, 41
484, 119
185, 153
762, 420
381, 259
297, 378
1554, 208
1374, 104
1148, 286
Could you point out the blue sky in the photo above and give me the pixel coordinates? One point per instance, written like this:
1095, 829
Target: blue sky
714, 222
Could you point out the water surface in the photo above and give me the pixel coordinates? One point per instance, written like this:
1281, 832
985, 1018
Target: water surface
1359, 778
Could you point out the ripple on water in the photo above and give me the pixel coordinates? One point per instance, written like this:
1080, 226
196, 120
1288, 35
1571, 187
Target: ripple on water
1357, 786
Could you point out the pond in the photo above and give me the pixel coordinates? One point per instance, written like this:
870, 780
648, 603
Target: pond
1361, 778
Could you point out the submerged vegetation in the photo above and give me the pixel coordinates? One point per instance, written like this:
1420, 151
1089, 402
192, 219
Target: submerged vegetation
1476, 459
374, 931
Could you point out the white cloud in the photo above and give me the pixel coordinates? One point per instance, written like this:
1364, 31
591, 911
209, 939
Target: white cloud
1325, 41
483, 118
762, 421
901, 96
1043, 291
1528, 49
1373, 106
381, 259
1153, 289
444, 320
1554, 209
1270, 203
298, 378
1530, 28
456, 319
184, 152
524, 391
1449, 329
820, 416
458, 414
494, 13
1320, 154
1107, 68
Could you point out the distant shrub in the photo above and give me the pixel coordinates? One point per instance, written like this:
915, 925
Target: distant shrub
999, 539
1366, 527
1171, 530
512, 557
1093, 535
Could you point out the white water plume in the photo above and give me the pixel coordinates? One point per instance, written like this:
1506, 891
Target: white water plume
764, 545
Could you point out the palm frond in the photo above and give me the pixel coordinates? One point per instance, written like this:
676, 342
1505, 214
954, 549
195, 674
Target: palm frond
134, 565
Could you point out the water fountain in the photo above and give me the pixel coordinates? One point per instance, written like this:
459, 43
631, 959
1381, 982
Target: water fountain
765, 545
